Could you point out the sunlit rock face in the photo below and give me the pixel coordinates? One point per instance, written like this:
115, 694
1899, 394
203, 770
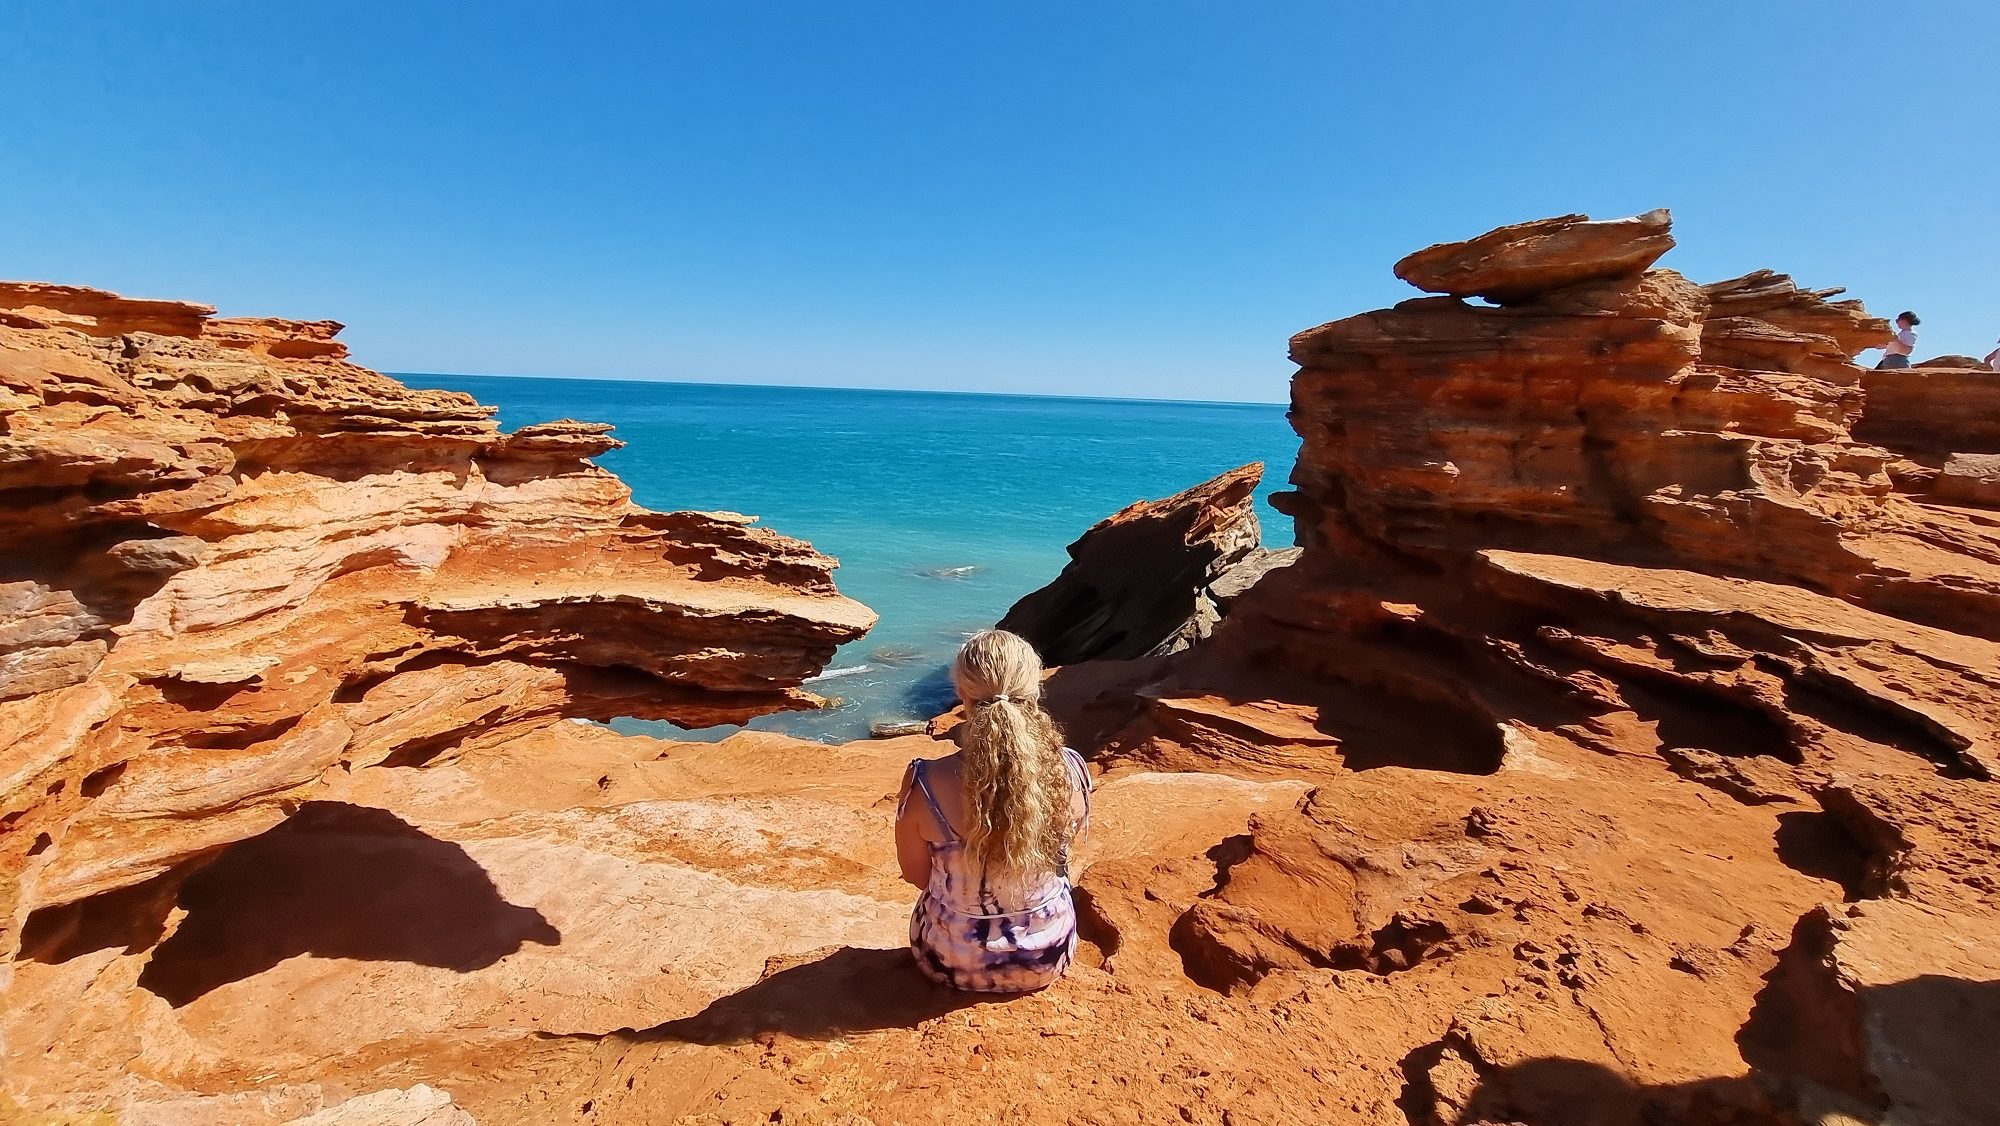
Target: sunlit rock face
238, 569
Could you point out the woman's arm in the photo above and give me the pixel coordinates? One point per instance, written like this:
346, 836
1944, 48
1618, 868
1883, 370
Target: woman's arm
913, 852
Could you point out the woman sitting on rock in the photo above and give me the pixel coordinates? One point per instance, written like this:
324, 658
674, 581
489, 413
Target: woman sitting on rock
989, 838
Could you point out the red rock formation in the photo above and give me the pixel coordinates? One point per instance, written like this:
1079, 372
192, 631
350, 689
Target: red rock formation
239, 570
1625, 418
1620, 750
1610, 563
1152, 578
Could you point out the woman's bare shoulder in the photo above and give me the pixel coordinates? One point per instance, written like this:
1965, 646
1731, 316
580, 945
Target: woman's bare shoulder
945, 765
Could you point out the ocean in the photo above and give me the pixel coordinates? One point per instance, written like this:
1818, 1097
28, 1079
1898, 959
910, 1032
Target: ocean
942, 508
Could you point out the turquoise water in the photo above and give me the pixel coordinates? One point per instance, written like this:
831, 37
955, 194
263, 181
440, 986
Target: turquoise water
904, 487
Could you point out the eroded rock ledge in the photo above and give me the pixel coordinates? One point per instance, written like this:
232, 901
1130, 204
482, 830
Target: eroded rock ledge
239, 569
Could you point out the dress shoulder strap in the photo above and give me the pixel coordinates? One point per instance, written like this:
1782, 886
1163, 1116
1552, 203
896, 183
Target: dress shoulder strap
1082, 769
1083, 783
937, 811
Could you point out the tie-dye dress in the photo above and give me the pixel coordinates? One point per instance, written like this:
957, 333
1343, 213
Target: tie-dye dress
971, 935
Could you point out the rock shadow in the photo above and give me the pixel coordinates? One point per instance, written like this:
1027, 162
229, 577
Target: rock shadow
1362, 728
1810, 1062
843, 991
338, 881
1846, 707
1940, 1031
1710, 721
1817, 844
131, 918
1376, 731
1924, 1043
1556, 1091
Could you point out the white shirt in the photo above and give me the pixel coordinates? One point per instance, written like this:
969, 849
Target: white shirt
1904, 344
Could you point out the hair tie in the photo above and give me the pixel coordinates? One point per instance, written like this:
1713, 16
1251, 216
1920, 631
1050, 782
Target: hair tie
992, 700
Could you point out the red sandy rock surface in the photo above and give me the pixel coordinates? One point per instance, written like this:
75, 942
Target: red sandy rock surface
1620, 750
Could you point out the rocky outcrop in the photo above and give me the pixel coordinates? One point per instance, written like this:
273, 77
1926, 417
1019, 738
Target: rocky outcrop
1152, 578
1942, 421
1620, 749
1633, 419
1622, 535
239, 570
278, 338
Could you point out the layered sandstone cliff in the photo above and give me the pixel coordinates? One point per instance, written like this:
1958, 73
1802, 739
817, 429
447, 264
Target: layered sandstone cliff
240, 570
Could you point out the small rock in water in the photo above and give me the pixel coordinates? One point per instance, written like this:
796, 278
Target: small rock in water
891, 728
897, 654
964, 572
828, 703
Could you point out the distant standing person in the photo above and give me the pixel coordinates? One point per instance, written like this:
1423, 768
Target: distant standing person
1896, 353
1993, 359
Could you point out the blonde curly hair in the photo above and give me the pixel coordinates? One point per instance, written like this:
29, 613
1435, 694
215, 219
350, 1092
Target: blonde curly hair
1017, 787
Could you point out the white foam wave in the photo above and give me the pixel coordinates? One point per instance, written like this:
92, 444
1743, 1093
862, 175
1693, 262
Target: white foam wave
836, 674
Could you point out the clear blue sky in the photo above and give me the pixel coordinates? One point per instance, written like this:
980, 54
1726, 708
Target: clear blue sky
1138, 199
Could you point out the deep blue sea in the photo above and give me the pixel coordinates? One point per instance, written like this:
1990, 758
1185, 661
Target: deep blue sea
942, 508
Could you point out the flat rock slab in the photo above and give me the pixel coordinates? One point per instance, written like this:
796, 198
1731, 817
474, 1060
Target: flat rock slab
421, 1105
1517, 262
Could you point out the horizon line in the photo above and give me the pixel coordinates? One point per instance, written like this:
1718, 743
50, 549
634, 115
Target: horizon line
843, 387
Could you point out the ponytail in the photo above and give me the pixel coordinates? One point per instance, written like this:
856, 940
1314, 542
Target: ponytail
1017, 787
